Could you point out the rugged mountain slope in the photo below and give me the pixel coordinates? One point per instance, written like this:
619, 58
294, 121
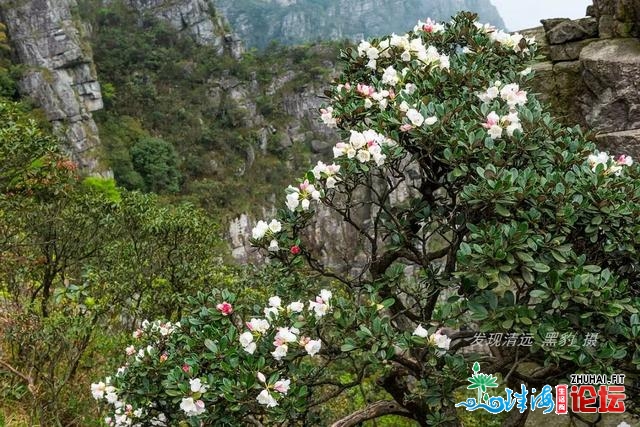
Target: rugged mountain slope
59, 75
258, 22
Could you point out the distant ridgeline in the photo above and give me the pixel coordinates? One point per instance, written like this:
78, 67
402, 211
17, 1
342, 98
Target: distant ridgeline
258, 22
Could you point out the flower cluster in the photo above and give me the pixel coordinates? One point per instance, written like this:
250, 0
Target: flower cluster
123, 413
496, 124
285, 335
193, 405
437, 339
508, 40
365, 146
370, 94
611, 165
266, 397
429, 26
302, 195
514, 97
268, 230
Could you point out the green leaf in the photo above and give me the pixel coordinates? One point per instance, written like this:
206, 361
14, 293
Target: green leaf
345, 348
211, 345
541, 268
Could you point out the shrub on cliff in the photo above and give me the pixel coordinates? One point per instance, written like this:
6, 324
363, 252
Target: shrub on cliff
482, 215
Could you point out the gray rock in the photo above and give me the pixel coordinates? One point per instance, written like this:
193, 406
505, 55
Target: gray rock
612, 75
321, 146
591, 11
567, 31
568, 51
550, 24
60, 75
623, 142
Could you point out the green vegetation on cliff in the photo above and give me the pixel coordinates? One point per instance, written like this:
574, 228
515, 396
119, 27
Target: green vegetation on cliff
225, 118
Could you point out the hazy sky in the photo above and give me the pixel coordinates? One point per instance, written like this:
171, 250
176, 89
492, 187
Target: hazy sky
520, 14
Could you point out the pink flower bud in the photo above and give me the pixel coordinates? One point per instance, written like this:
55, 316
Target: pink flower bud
186, 368
295, 249
225, 308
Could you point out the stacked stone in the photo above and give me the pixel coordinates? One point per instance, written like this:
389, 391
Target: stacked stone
591, 75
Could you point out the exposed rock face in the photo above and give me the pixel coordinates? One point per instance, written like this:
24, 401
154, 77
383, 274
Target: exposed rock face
197, 18
611, 72
593, 75
617, 18
50, 41
296, 21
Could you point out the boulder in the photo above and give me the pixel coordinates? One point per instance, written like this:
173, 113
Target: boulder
550, 24
568, 51
567, 31
611, 73
624, 142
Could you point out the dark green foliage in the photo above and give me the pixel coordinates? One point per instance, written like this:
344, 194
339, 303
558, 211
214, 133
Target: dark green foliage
162, 84
80, 262
157, 163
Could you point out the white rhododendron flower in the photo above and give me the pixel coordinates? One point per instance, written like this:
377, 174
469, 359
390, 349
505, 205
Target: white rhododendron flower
192, 408
273, 246
293, 200
326, 295
513, 95
295, 307
440, 340
286, 335
282, 386
326, 115
246, 341
111, 397
280, 352
265, 398
97, 390
313, 347
493, 125
197, 386
246, 338
421, 332
611, 165
258, 325
275, 301
275, 226
390, 76
415, 117
430, 120
260, 230
429, 26
624, 160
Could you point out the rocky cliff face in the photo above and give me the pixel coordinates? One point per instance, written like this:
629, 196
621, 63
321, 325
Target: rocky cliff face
60, 76
295, 21
198, 18
592, 72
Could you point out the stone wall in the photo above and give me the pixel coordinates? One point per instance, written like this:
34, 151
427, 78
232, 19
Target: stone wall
591, 75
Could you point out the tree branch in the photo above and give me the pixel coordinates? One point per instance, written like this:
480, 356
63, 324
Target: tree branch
375, 410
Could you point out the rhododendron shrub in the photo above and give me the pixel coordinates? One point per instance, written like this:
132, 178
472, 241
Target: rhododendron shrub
221, 365
475, 212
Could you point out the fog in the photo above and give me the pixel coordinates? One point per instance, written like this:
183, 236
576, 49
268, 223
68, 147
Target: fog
520, 14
